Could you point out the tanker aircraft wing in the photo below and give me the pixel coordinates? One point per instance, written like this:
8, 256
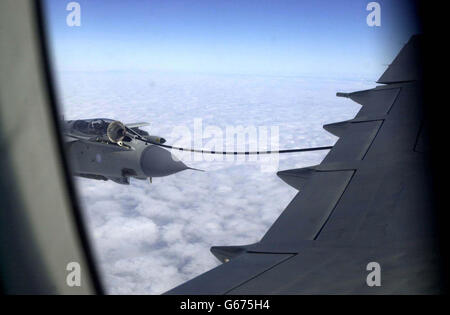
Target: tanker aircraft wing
365, 211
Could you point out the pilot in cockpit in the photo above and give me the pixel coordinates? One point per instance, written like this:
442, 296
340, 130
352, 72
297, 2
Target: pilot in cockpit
98, 127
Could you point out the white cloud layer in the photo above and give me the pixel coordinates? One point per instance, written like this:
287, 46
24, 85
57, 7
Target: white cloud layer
151, 237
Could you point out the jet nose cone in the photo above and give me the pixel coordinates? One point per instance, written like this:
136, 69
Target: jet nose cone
162, 140
158, 162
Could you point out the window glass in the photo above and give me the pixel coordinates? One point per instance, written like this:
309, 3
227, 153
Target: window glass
214, 75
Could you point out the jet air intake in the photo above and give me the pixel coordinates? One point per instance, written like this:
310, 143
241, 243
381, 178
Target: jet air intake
116, 132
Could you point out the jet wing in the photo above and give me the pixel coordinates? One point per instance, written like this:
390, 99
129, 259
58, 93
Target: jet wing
69, 137
136, 125
369, 201
120, 180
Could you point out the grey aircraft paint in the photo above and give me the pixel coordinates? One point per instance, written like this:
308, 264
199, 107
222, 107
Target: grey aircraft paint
93, 154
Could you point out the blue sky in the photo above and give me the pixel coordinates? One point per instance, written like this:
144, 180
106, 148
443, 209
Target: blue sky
257, 37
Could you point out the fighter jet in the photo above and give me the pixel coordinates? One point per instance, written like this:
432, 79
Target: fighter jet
105, 149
